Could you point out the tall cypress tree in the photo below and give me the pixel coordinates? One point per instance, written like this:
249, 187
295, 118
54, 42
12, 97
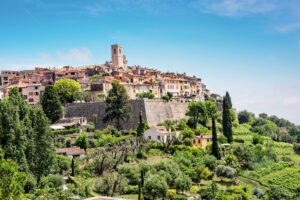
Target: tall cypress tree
215, 148
212, 109
117, 105
51, 104
229, 100
227, 122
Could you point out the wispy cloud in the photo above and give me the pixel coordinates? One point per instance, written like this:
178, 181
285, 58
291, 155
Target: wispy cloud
80, 55
235, 8
292, 101
288, 27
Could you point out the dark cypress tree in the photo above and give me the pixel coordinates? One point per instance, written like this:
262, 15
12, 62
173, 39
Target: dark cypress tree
117, 105
227, 122
229, 100
73, 168
51, 104
215, 148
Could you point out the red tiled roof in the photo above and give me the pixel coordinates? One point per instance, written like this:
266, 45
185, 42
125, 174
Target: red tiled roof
70, 151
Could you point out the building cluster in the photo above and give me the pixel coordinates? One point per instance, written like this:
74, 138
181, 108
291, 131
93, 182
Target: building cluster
97, 80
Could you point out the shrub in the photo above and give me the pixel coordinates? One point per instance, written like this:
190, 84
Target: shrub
297, 148
210, 162
258, 193
183, 183
55, 181
155, 187
257, 139
239, 140
225, 171
131, 189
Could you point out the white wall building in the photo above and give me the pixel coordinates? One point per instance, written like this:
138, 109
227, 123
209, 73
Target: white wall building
160, 134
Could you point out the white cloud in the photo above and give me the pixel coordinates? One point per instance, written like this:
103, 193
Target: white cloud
79, 55
288, 27
292, 101
233, 8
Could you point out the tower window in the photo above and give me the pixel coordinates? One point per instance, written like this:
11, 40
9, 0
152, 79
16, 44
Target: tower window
115, 51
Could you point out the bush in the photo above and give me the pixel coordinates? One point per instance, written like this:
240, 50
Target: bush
148, 95
131, 189
239, 140
225, 171
210, 162
258, 193
55, 181
183, 183
155, 187
297, 148
257, 139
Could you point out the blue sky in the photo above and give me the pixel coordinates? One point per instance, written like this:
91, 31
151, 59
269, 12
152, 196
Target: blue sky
249, 47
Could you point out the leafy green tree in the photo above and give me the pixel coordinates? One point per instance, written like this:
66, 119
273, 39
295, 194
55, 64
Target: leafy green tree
25, 135
66, 89
227, 121
44, 152
245, 117
12, 138
110, 184
117, 105
51, 104
155, 187
82, 141
183, 183
197, 111
12, 180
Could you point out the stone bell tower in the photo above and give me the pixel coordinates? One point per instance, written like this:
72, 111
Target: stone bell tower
117, 57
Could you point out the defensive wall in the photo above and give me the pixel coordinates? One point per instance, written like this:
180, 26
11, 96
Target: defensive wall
153, 111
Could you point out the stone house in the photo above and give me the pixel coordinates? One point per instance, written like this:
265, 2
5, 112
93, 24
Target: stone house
201, 141
71, 152
160, 134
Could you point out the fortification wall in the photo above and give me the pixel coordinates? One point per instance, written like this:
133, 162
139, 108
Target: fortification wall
153, 111
158, 111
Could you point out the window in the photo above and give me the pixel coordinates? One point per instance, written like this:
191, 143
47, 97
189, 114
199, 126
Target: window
149, 137
158, 137
115, 51
30, 100
37, 94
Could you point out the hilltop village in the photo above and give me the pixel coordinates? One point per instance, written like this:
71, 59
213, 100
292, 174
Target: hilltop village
117, 132
96, 80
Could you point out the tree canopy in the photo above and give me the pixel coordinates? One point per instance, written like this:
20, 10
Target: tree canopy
117, 105
51, 104
66, 89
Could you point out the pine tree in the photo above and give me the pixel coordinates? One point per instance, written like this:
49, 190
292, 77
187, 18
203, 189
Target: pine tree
227, 122
117, 105
51, 104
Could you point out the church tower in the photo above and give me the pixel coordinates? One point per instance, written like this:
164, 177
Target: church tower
117, 57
